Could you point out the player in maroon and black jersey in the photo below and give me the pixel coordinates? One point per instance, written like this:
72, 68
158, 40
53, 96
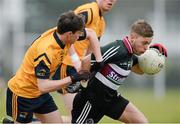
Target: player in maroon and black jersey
100, 97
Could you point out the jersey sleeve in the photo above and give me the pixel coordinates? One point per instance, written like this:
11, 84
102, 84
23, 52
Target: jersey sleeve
83, 36
42, 66
112, 53
87, 15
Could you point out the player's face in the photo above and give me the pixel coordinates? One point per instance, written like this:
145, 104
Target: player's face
74, 36
141, 44
106, 5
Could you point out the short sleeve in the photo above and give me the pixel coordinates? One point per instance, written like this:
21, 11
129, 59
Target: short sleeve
83, 36
86, 14
42, 66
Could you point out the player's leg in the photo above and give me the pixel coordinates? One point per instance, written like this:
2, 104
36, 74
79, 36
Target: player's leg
68, 101
132, 114
67, 98
18, 108
47, 112
123, 110
85, 108
52, 117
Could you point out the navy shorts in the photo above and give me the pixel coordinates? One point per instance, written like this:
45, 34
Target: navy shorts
21, 109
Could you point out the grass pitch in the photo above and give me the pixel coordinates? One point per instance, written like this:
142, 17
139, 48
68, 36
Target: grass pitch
161, 110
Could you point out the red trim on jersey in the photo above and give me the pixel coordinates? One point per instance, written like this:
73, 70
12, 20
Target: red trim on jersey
128, 45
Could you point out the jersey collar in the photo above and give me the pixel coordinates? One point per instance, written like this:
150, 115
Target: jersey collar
58, 40
128, 45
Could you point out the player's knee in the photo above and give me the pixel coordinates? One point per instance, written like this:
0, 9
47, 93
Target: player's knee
138, 120
132, 114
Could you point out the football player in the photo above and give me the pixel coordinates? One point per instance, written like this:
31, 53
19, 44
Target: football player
92, 14
100, 97
28, 90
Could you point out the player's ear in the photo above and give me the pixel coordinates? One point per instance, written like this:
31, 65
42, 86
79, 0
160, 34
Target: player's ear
69, 33
133, 36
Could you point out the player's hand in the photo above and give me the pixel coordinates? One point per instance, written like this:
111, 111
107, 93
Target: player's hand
160, 47
81, 75
97, 66
74, 87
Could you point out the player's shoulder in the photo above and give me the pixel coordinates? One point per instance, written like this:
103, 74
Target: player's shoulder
47, 36
127, 45
90, 12
45, 41
49, 32
91, 8
83, 7
116, 43
116, 46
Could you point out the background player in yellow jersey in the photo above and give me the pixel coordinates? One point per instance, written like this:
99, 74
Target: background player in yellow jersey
92, 14
28, 90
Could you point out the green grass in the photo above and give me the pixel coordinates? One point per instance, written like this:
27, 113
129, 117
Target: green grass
164, 110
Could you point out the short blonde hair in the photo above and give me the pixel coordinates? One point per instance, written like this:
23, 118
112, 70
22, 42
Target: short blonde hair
142, 28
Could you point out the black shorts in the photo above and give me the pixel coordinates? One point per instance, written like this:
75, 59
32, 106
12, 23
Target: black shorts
97, 100
21, 109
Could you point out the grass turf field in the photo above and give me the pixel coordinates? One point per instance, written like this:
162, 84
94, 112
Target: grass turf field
165, 110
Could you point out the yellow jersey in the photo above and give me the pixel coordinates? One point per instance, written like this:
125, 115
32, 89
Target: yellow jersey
41, 61
94, 20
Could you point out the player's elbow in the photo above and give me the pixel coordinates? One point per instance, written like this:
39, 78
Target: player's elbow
41, 86
90, 33
42, 89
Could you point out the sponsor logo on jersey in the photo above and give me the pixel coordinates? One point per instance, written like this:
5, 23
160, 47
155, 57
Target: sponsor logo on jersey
113, 75
41, 72
115, 78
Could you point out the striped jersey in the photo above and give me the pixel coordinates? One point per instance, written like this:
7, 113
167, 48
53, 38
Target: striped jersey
118, 58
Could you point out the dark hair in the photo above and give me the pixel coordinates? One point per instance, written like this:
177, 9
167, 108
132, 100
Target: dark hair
69, 21
142, 28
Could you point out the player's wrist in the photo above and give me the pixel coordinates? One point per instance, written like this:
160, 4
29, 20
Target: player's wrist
99, 60
97, 66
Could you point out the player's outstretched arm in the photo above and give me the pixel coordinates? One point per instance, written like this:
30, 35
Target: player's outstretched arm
75, 58
94, 44
46, 85
86, 62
